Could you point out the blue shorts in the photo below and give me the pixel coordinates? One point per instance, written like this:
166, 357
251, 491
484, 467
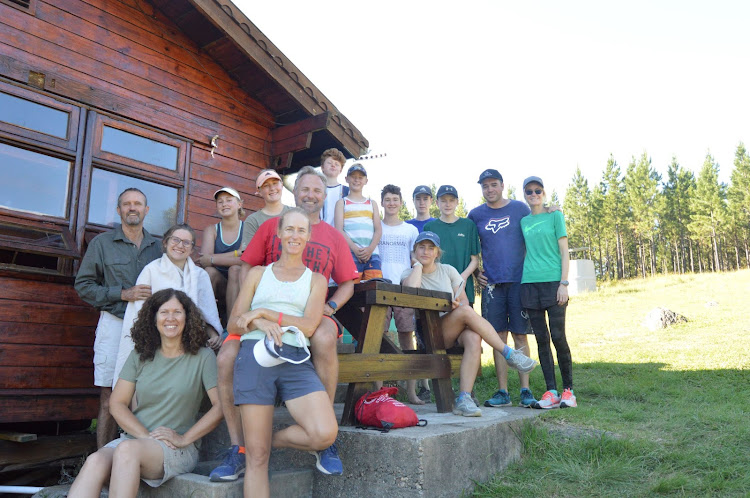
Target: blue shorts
257, 385
501, 306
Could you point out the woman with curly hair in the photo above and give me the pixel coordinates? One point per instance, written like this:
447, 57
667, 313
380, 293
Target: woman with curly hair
170, 371
174, 270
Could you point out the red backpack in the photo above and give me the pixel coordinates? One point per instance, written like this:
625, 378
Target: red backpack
378, 409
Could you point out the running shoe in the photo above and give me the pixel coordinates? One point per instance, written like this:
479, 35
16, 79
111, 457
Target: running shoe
568, 399
231, 468
466, 407
424, 394
549, 400
500, 398
520, 362
328, 462
527, 398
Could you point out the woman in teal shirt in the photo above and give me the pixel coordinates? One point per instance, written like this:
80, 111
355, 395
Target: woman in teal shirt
544, 291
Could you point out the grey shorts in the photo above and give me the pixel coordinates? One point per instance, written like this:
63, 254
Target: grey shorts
404, 318
257, 385
176, 462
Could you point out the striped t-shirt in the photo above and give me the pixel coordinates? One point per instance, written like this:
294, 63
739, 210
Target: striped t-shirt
358, 222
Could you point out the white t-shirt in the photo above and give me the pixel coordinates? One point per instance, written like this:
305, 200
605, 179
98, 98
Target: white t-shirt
395, 248
333, 194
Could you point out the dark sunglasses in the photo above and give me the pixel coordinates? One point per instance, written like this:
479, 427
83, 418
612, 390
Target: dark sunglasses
536, 191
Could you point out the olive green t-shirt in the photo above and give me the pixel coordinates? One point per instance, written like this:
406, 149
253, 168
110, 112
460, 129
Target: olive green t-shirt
170, 390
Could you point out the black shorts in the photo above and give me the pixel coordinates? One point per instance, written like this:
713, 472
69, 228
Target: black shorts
539, 295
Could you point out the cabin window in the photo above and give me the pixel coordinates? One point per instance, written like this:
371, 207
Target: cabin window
106, 186
139, 148
32, 116
25, 5
33, 182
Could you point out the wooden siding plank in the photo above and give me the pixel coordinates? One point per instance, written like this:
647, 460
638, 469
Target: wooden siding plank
27, 290
16, 355
34, 333
47, 408
46, 378
24, 311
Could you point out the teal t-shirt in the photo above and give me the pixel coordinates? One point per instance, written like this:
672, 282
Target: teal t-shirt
459, 241
541, 233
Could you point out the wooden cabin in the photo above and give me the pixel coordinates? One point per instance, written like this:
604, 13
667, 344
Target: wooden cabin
175, 97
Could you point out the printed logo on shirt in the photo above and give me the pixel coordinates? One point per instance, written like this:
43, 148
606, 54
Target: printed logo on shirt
495, 224
460, 235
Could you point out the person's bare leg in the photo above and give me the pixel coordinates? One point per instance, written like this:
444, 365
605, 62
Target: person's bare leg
501, 367
93, 475
233, 286
521, 343
324, 355
106, 426
316, 427
464, 317
406, 340
132, 460
225, 368
218, 282
257, 422
470, 360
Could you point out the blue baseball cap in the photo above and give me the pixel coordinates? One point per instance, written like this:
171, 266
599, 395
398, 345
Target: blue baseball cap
447, 190
356, 167
422, 189
533, 179
490, 173
427, 235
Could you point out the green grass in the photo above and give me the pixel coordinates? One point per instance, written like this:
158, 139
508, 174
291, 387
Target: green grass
660, 413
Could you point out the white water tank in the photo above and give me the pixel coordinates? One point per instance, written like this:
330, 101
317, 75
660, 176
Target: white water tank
581, 276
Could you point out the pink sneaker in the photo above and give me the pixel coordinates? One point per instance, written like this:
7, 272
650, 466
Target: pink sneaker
549, 400
568, 399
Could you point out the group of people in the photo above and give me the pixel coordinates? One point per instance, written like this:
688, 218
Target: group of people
159, 319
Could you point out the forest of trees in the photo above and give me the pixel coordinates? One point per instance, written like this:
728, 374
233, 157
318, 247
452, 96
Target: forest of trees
638, 223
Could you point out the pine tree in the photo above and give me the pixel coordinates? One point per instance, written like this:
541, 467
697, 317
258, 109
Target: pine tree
577, 209
613, 216
641, 182
709, 209
404, 213
677, 192
738, 195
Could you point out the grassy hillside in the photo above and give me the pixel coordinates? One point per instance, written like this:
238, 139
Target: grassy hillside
661, 412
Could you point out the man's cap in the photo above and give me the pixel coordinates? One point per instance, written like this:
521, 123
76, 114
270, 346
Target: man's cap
421, 189
427, 235
447, 190
228, 190
268, 354
533, 179
356, 167
264, 176
490, 173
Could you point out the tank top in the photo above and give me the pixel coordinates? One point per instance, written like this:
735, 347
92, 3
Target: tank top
221, 247
358, 223
289, 298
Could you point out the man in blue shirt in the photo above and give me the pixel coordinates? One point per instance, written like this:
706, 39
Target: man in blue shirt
498, 223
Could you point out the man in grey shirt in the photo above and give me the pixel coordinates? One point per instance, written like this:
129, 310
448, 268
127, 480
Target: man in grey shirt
106, 280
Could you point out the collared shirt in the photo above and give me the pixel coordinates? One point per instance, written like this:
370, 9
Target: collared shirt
112, 263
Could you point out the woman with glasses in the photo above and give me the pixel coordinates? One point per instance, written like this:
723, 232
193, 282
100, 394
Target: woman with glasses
175, 270
544, 291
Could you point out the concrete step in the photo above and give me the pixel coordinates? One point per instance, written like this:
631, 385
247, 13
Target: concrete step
289, 483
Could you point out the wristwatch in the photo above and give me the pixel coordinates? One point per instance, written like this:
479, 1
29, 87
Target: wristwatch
564, 282
333, 305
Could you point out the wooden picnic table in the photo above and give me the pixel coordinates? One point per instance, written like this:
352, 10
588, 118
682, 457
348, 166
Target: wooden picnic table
378, 358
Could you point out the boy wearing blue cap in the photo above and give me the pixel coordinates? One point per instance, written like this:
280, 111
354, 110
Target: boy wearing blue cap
422, 198
459, 235
358, 218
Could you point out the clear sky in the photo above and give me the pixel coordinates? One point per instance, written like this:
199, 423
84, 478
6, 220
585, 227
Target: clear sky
529, 88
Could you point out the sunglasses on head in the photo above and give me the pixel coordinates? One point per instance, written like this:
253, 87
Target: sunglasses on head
536, 191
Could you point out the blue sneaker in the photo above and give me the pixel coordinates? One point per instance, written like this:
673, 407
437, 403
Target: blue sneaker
231, 468
500, 398
527, 399
328, 462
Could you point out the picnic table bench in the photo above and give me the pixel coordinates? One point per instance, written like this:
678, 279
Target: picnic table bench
378, 358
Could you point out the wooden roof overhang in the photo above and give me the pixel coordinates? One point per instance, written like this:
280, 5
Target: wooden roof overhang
306, 122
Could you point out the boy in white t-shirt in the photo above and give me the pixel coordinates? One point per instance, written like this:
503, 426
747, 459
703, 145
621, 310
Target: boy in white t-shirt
395, 246
331, 164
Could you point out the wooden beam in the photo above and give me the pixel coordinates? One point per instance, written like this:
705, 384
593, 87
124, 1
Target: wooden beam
291, 144
18, 437
315, 123
372, 367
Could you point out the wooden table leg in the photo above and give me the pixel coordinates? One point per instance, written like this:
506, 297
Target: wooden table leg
371, 332
434, 344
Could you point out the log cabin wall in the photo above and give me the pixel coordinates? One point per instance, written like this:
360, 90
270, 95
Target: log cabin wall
110, 65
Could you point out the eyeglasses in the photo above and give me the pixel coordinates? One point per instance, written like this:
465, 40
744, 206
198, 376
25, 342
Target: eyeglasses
177, 241
536, 191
